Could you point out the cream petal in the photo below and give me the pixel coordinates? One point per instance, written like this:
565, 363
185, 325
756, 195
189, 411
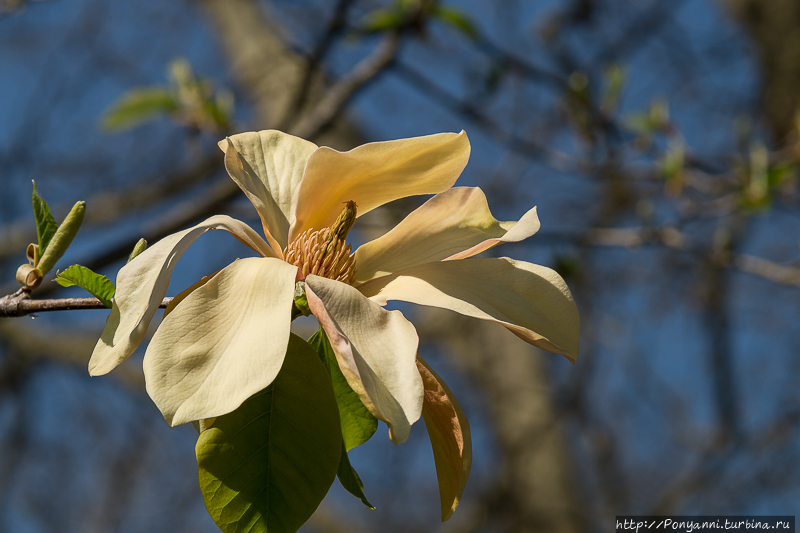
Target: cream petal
530, 300
376, 173
268, 166
142, 284
376, 350
225, 341
454, 224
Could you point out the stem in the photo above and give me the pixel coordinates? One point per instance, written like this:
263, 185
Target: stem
20, 304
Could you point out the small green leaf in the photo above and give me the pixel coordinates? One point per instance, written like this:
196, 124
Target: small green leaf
97, 285
457, 19
137, 106
266, 466
358, 424
46, 225
350, 479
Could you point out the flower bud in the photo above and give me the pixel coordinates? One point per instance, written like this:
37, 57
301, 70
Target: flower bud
139, 248
28, 276
63, 237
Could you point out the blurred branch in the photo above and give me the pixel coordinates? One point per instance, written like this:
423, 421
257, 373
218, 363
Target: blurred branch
31, 345
785, 275
449, 101
336, 26
337, 97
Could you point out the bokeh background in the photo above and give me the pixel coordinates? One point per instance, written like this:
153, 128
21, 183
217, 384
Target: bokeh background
658, 138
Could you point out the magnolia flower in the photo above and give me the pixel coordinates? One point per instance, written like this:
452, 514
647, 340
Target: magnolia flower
225, 338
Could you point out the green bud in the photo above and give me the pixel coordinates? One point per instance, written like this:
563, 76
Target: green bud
300, 300
139, 248
29, 276
63, 238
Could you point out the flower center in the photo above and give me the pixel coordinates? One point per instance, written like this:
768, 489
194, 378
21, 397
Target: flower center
325, 252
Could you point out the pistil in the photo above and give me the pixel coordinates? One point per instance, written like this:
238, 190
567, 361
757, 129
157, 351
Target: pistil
325, 252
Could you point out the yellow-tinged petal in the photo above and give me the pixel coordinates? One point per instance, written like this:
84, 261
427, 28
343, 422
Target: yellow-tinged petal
454, 224
376, 173
268, 166
223, 343
530, 300
142, 284
376, 350
450, 436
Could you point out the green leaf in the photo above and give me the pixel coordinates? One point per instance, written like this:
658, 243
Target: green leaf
358, 424
266, 466
457, 19
98, 285
137, 106
46, 225
350, 479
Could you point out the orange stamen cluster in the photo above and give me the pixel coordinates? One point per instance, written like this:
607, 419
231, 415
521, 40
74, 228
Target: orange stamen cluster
315, 252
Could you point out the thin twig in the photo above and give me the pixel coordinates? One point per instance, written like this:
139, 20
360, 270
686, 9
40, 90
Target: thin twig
20, 304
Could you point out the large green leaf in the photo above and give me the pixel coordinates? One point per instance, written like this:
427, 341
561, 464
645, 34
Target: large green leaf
266, 466
137, 106
97, 285
358, 424
46, 225
350, 479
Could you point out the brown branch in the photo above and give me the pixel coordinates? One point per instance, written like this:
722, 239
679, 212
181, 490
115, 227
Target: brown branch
20, 304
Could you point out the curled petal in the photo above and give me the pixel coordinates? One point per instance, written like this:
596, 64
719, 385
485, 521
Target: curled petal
530, 300
376, 351
454, 224
224, 342
376, 173
142, 284
450, 435
268, 166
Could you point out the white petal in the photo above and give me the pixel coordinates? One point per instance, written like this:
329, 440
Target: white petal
530, 300
268, 166
223, 343
142, 284
376, 350
454, 224
376, 173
